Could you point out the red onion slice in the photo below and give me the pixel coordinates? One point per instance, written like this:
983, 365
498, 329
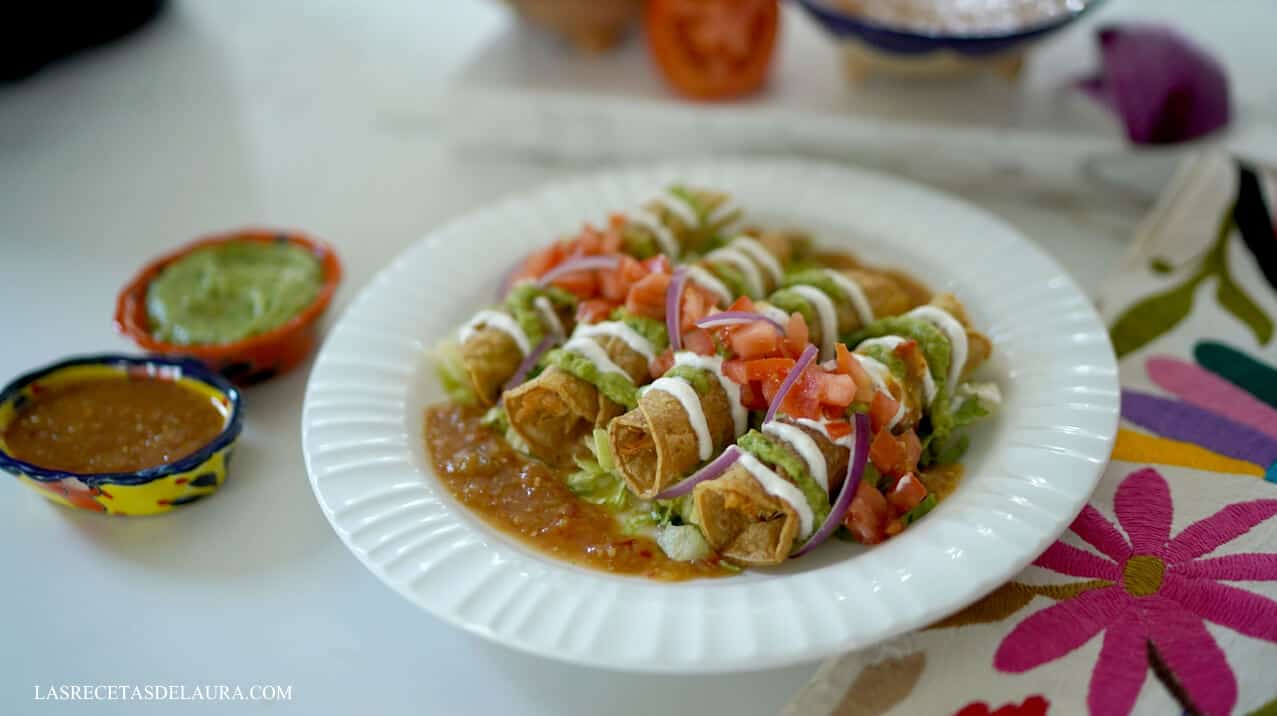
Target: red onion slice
528, 361
736, 318
804, 360
1164, 87
585, 263
855, 471
709, 472
673, 302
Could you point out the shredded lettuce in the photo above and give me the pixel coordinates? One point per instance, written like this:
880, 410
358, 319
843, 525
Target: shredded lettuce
598, 486
683, 543
452, 373
496, 419
603, 450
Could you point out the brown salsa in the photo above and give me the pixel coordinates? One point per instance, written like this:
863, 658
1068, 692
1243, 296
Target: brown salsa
113, 425
531, 501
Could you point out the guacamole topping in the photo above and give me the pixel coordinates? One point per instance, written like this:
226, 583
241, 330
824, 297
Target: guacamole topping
730, 276
789, 301
617, 387
650, 328
934, 343
699, 379
818, 278
638, 243
231, 291
522, 306
773, 452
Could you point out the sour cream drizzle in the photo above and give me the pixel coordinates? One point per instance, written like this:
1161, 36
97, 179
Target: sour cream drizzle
761, 256
845, 441
805, 446
714, 364
826, 314
773, 313
593, 352
781, 488
880, 374
705, 279
957, 335
664, 238
680, 207
617, 329
725, 209
549, 316
503, 322
742, 262
685, 394
891, 343
855, 294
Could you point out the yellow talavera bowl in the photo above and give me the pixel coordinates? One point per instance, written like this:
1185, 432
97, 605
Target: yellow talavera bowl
144, 492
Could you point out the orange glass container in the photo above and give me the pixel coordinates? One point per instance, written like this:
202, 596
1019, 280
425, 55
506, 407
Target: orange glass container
253, 359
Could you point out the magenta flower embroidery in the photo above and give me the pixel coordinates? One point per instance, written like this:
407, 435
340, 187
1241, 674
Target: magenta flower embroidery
1161, 593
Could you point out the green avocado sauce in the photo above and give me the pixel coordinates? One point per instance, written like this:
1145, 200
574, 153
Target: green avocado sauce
700, 380
650, 328
618, 388
522, 306
772, 452
231, 291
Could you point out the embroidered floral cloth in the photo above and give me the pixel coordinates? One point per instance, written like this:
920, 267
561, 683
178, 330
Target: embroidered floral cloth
1161, 598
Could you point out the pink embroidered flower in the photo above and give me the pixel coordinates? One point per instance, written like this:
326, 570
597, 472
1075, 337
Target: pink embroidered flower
1161, 595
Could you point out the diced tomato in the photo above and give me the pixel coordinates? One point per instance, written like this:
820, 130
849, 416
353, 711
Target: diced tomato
754, 340
751, 397
614, 285
868, 514
907, 493
848, 365
836, 389
661, 363
742, 304
768, 368
647, 296
736, 371
803, 399
582, 284
590, 241
881, 410
698, 341
838, 429
593, 310
796, 334
697, 304
913, 450
887, 453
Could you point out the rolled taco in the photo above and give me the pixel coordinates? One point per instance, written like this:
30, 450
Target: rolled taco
682, 420
593, 378
776, 495
837, 302
922, 358
679, 221
493, 343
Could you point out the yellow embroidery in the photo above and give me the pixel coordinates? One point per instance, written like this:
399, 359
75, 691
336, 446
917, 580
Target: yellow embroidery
1149, 449
1142, 575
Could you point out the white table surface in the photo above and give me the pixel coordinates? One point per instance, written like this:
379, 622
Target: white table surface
304, 115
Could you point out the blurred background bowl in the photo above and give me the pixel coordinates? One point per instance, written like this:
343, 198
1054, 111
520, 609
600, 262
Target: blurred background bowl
590, 25
987, 34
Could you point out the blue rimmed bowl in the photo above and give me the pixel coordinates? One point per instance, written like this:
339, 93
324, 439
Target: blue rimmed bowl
148, 491
870, 44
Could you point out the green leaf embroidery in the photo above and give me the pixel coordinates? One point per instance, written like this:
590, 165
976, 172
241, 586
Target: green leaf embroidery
1268, 709
1160, 265
1236, 302
1143, 322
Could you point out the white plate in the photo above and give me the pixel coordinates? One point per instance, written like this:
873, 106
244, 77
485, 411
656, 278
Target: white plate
1029, 471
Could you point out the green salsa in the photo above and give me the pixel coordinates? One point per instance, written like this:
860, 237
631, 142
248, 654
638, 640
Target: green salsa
231, 291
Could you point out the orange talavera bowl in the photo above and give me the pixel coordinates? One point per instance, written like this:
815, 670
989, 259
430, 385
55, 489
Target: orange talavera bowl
253, 359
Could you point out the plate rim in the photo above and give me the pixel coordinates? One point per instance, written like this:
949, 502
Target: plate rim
1107, 404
